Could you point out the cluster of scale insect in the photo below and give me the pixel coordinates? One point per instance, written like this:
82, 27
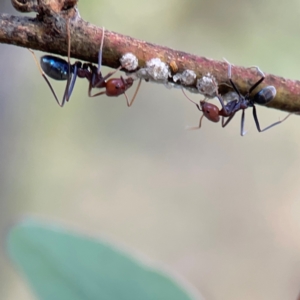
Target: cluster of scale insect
207, 86
187, 77
155, 70
129, 61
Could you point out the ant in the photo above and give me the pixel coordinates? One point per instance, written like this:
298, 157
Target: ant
239, 102
59, 69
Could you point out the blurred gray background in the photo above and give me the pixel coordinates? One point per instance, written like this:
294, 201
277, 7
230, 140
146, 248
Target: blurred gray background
220, 210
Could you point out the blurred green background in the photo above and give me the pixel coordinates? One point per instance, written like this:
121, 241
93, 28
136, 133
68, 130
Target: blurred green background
220, 210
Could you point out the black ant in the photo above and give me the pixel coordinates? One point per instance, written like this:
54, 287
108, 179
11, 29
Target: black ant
59, 69
212, 112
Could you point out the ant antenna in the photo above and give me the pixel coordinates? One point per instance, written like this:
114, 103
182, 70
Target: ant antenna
190, 98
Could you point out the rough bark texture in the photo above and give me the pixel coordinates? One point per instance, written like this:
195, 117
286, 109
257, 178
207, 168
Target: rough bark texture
47, 32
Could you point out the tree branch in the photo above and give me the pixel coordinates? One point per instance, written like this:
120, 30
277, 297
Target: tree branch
47, 32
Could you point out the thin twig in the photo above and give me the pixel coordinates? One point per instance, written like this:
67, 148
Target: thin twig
47, 32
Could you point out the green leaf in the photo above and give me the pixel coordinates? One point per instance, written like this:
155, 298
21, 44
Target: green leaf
64, 265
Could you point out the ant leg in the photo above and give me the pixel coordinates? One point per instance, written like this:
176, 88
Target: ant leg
199, 126
270, 126
200, 121
259, 81
98, 94
100, 60
134, 95
111, 73
90, 91
100, 52
197, 105
243, 123
103, 79
224, 124
72, 82
261, 73
253, 86
46, 79
231, 82
229, 68
71, 79
67, 93
226, 110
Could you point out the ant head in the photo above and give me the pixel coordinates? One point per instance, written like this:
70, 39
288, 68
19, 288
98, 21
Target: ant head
265, 95
210, 111
117, 86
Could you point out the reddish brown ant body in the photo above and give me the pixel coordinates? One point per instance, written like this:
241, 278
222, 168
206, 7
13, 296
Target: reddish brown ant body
59, 69
240, 102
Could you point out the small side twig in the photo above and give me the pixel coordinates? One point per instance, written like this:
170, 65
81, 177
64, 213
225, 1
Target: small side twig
47, 32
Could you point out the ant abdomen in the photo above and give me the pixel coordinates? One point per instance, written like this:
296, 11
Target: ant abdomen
55, 67
265, 95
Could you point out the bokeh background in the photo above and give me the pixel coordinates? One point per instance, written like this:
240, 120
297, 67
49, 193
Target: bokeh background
221, 210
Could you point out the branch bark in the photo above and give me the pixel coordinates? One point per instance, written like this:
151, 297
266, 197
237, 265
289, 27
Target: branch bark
47, 32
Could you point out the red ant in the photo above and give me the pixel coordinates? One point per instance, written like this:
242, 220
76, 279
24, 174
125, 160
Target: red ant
59, 69
213, 113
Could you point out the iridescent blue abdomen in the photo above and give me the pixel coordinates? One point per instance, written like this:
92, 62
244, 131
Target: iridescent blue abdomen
55, 67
